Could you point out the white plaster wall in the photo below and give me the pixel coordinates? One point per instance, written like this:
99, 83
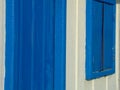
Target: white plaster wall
2, 42
76, 29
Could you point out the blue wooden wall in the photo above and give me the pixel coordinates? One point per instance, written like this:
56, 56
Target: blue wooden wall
35, 44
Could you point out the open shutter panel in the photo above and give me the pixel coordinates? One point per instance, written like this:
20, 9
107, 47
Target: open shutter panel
100, 48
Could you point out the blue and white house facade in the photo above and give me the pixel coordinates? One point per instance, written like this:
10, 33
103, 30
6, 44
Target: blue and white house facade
59, 45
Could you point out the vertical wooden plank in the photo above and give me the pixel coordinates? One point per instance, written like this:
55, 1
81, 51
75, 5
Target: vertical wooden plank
9, 50
100, 84
39, 46
71, 45
2, 44
60, 45
49, 44
111, 81
118, 44
24, 43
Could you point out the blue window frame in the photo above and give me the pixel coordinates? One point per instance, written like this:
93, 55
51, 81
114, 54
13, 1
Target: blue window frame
100, 38
35, 44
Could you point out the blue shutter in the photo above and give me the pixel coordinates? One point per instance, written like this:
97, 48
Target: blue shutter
35, 44
100, 38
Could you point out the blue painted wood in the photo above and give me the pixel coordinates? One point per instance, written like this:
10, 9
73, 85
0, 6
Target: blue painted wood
100, 39
35, 45
97, 36
9, 45
109, 31
107, 1
60, 39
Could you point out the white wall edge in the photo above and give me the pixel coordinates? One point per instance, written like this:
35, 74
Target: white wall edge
2, 43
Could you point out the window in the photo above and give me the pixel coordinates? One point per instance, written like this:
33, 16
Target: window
100, 38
